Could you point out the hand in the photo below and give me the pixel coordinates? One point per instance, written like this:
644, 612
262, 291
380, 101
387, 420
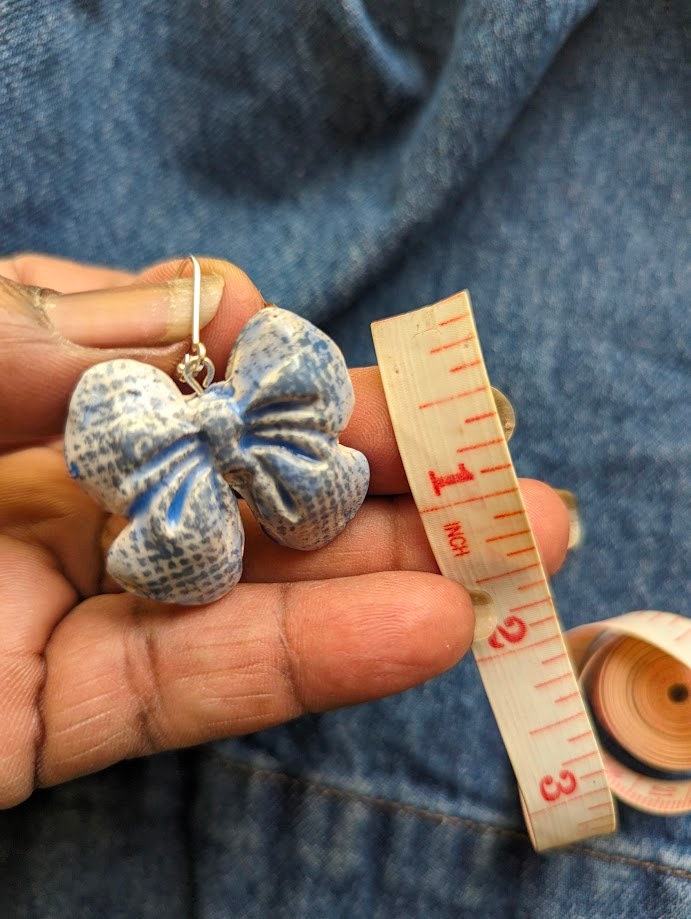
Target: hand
90, 675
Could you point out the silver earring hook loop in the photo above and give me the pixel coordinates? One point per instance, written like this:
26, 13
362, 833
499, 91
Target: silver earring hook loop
196, 360
197, 298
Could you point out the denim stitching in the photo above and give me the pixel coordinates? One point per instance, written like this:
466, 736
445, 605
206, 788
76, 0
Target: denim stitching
412, 810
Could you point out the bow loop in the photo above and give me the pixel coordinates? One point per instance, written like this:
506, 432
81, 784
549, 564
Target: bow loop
285, 371
127, 423
292, 387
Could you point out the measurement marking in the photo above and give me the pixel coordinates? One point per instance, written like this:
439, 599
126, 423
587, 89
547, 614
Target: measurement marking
534, 644
541, 621
555, 679
465, 366
651, 800
515, 609
683, 635
496, 468
549, 660
596, 820
589, 775
520, 551
458, 318
571, 695
486, 443
511, 514
443, 507
506, 574
594, 807
460, 475
479, 417
579, 736
452, 344
569, 799
556, 724
576, 759
458, 395
508, 536
531, 584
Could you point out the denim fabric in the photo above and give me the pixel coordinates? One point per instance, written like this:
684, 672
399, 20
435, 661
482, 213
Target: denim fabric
360, 160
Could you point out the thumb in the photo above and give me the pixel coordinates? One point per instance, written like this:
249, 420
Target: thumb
48, 339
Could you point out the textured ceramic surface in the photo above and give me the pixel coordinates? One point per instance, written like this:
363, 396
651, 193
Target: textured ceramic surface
171, 464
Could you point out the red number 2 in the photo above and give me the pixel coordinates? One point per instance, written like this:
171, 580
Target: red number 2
513, 630
550, 789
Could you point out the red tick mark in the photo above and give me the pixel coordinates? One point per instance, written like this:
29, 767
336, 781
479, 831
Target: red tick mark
486, 443
443, 507
464, 366
458, 318
578, 759
506, 574
557, 724
531, 584
534, 644
451, 344
515, 609
458, 395
480, 417
555, 679
571, 695
551, 660
508, 536
578, 737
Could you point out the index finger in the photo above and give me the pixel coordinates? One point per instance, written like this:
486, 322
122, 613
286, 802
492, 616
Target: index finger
61, 274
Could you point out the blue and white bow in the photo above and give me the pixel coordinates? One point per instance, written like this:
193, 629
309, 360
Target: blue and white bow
268, 432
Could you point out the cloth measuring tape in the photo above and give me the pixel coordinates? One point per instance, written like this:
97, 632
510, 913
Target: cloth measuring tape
455, 454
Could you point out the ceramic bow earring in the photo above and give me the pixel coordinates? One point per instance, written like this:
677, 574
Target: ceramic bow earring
173, 464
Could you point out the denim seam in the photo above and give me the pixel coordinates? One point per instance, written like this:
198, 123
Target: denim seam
412, 810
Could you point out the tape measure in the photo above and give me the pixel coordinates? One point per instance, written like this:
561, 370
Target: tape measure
636, 670
455, 454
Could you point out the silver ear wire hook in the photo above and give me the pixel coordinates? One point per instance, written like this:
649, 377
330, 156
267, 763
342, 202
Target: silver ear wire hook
196, 360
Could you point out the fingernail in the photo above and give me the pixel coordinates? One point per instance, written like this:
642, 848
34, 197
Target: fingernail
575, 526
507, 415
485, 614
134, 315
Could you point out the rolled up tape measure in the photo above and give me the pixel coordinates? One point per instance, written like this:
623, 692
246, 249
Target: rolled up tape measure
636, 670
454, 450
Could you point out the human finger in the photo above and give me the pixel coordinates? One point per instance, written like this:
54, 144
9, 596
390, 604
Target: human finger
41, 366
370, 431
37, 270
127, 677
387, 534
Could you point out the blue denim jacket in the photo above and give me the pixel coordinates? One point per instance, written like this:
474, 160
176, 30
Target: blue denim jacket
358, 160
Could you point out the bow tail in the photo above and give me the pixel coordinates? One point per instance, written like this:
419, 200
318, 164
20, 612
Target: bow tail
301, 501
184, 542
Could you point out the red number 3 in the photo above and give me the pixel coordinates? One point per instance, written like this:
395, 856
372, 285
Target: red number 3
512, 630
550, 789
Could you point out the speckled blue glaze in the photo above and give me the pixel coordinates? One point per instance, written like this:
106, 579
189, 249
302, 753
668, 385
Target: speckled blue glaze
171, 464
